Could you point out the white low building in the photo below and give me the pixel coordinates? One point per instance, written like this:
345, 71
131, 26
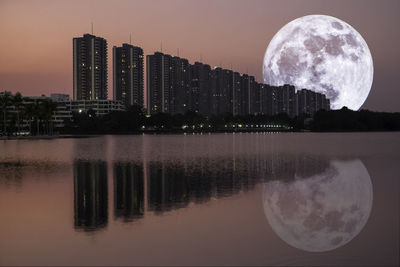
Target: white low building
67, 107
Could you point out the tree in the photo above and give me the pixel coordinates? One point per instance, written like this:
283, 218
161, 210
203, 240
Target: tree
29, 112
37, 115
47, 108
5, 100
17, 102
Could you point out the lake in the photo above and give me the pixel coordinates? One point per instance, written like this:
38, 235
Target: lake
202, 199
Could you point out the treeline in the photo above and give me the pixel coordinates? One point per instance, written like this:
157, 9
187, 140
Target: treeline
135, 120
349, 120
21, 116
34, 116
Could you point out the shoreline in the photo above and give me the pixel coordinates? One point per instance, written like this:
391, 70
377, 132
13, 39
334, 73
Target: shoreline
66, 136
48, 137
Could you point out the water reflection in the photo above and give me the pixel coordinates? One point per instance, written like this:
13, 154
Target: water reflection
11, 174
174, 185
167, 188
90, 195
313, 203
322, 211
164, 199
128, 191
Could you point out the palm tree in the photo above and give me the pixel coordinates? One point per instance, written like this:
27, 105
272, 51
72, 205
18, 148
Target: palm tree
37, 114
33, 112
47, 109
5, 100
17, 102
29, 112
52, 108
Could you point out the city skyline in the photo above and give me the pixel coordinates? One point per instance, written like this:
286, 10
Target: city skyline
236, 44
199, 132
175, 86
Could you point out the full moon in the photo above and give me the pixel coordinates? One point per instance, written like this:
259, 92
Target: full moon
321, 212
323, 54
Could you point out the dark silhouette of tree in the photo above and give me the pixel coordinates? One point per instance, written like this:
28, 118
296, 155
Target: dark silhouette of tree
349, 120
17, 102
47, 108
29, 113
5, 101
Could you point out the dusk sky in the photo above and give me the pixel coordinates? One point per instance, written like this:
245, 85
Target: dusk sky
36, 37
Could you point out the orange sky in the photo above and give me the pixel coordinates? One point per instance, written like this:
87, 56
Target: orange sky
36, 36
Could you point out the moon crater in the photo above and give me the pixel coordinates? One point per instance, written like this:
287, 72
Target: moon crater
323, 54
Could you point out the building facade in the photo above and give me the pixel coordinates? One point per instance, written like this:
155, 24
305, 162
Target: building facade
180, 90
309, 102
199, 91
128, 74
89, 68
174, 86
159, 82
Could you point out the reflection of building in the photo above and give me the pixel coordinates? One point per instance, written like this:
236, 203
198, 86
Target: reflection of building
90, 67
167, 187
90, 195
128, 191
282, 167
174, 186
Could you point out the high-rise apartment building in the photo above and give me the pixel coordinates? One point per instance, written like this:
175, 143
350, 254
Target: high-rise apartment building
292, 100
286, 100
200, 93
180, 90
159, 82
247, 87
221, 91
228, 87
128, 74
309, 102
217, 91
271, 100
255, 98
236, 93
175, 86
89, 68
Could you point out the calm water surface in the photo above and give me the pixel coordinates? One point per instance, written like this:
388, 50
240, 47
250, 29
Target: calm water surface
211, 199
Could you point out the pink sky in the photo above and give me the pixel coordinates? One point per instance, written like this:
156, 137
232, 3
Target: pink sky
36, 36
